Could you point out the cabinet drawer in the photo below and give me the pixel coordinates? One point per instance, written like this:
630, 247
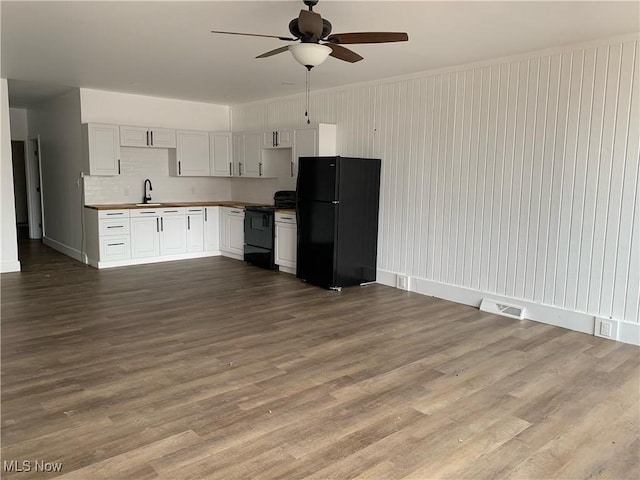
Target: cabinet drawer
145, 212
114, 226
286, 218
117, 247
234, 212
172, 211
113, 213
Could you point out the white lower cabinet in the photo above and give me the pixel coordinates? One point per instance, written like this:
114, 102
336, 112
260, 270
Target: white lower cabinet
211, 229
286, 242
145, 235
195, 229
232, 232
173, 232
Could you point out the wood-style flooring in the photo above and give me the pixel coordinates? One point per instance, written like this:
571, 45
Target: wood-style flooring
214, 369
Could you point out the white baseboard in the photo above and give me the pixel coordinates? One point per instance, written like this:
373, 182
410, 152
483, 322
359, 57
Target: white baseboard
62, 248
144, 261
11, 266
628, 332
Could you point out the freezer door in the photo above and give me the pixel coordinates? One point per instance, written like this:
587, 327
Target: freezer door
316, 259
317, 179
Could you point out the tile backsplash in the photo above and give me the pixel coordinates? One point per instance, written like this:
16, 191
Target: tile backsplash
136, 165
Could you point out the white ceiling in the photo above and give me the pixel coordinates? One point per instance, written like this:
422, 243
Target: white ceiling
165, 48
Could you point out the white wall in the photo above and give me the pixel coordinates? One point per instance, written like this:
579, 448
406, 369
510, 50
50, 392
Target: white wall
19, 128
8, 236
153, 163
57, 121
126, 109
515, 179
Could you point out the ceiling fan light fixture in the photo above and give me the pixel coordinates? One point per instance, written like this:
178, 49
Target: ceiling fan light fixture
309, 54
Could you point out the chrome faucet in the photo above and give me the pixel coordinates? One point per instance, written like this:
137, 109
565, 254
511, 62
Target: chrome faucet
147, 197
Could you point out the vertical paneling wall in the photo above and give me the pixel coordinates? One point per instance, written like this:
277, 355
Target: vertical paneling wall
517, 178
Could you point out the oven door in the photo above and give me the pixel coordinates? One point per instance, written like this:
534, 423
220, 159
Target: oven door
258, 237
258, 228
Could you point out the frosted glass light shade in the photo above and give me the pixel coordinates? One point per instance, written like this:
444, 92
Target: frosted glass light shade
309, 54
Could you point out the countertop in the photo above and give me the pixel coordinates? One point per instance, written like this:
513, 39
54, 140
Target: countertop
122, 206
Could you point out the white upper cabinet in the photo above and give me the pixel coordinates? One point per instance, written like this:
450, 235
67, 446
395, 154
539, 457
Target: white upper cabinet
220, 154
247, 154
277, 139
252, 166
312, 141
101, 148
191, 157
132, 136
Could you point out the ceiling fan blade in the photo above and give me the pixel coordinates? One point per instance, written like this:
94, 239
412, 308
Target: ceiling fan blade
343, 53
273, 52
310, 23
368, 37
288, 39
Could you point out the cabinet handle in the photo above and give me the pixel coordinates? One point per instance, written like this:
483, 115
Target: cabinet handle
234, 211
147, 138
277, 140
188, 222
260, 169
114, 244
179, 168
157, 225
286, 218
161, 224
118, 213
205, 214
171, 211
119, 167
292, 169
230, 170
240, 168
115, 226
152, 138
149, 212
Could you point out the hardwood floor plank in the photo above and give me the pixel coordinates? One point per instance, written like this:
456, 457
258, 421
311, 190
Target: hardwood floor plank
212, 368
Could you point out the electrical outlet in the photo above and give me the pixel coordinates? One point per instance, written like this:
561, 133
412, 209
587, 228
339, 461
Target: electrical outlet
606, 328
402, 282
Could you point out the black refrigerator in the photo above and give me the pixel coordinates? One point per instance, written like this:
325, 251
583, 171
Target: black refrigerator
337, 206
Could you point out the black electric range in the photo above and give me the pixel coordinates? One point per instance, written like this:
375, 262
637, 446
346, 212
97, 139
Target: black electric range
259, 229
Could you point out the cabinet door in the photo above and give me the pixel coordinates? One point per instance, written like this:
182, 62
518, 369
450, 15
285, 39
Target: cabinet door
268, 139
173, 234
195, 232
162, 137
192, 153
286, 245
220, 159
238, 154
145, 237
283, 138
103, 149
236, 234
211, 229
252, 165
131, 136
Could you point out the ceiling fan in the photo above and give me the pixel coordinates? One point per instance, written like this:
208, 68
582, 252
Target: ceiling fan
310, 29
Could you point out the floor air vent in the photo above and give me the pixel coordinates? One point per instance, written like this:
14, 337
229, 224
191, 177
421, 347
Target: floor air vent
511, 311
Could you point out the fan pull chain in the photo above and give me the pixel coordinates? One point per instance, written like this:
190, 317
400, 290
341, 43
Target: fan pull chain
308, 87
